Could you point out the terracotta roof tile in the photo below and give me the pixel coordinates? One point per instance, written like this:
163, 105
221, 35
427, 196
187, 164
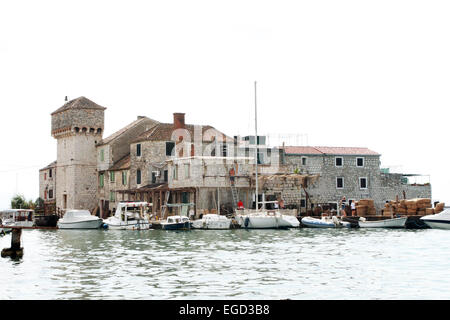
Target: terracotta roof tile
122, 164
329, 150
163, 132
123, 130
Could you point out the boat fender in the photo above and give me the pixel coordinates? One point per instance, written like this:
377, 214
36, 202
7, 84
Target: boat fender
105, 226
246, 221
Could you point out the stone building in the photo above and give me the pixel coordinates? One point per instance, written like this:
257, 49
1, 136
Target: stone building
47, 183
78, 126
113, 162
183, 163
353, 173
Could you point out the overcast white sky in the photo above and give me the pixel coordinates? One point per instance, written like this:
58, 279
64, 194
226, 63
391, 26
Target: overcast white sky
359, 73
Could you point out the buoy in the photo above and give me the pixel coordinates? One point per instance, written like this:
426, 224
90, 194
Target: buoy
105, 226
246, 221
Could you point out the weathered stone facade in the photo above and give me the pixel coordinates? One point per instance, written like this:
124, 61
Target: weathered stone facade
47, 182
375, 185
77, 126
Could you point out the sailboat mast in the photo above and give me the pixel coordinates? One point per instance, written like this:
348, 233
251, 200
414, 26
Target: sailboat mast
256, 151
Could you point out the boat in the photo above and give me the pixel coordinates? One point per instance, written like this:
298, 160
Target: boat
129, 216
176, 223
46, 220
262, 218
266, 219
325, 222
387, 223
213, 222
438, 221
17, 217
79, 219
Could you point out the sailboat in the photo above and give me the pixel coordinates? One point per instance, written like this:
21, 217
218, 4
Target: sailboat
262, 218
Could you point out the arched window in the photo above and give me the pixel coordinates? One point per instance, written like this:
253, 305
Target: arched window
91, 130
77, 129
99, 130
84, 129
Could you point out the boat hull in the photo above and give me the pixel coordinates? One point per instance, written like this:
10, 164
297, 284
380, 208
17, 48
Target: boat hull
388, 223
46, 220
176, 226
437, 224
115, 224
90, 224
319, 223
211, 225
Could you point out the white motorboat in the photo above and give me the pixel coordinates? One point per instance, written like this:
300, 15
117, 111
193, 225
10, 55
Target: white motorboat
176, 223
387, 223
266, 219
79, 219
17, 217
438, 221
325, 222
129, 216
213, 222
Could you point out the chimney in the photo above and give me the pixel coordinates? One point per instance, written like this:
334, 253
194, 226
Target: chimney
178, 121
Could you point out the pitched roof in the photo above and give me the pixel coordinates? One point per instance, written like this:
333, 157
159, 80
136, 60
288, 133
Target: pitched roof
163, 132
79, 103
123, 130
122, 164
51, 165
330, 150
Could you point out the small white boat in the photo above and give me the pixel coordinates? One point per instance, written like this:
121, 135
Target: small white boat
79, 219
213, 222
325, 222
264, 219
387, 223
17, 217
176, 223
129, 216
438, 221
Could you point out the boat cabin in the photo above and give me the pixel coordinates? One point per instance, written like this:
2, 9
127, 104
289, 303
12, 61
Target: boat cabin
24, 217
132, 210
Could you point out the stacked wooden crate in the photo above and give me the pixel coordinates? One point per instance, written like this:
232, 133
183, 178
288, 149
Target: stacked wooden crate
412, 207
365, 207
438, 208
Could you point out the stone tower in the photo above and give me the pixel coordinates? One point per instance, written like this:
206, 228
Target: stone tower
78, 125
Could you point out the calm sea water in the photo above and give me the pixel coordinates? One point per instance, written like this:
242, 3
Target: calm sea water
236, 264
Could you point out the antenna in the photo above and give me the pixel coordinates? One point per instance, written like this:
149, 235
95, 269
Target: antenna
256, 151
66, 99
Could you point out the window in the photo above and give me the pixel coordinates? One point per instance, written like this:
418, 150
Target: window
175, 172
338, 161
50, 173
169, 147
138, 176
112, 196
360, 162
138, 150
50, 194
363, 183
112, 176
102, 180
124, 178
224, 150
339, 182
166, 175
187, 171
102, 155
303, 161
45, 176
302, 203
153, 177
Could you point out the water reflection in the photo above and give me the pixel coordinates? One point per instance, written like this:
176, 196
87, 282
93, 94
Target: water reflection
239, 264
